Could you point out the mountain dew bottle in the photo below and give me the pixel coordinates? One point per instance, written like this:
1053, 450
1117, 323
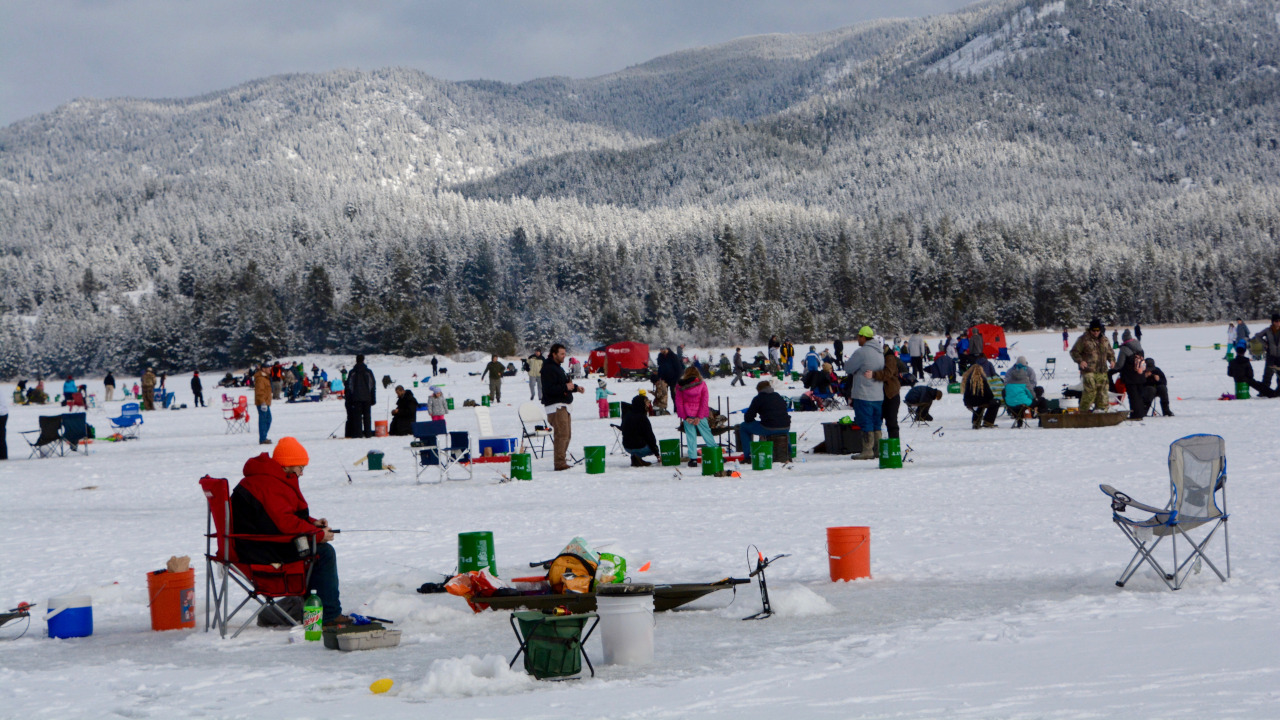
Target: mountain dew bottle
312, 611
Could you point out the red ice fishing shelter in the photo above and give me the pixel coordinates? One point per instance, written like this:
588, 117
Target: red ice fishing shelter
624, 358
993, 344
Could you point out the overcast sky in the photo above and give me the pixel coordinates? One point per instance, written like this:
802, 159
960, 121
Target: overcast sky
53, 51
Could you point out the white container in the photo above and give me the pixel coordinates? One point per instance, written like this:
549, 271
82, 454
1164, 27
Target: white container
626, 623
1070, 403
368, 640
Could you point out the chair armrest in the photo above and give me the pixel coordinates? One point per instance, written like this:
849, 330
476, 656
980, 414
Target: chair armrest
1120, 497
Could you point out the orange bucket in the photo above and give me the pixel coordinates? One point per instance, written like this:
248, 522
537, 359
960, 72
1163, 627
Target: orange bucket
849, 552
173, 599
380, 428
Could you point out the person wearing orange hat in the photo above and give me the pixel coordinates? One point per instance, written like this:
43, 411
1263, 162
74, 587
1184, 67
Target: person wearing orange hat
268, 501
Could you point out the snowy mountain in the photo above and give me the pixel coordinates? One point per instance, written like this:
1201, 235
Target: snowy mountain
1030, 163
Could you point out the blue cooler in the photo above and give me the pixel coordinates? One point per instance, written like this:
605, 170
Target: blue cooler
501, 446
70, 616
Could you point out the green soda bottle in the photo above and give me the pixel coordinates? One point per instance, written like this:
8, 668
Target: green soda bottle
312, 611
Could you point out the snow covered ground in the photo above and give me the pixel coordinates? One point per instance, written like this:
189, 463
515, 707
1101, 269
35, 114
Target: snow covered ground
993, 554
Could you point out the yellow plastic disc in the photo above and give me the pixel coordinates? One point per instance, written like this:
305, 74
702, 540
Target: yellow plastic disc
380, 686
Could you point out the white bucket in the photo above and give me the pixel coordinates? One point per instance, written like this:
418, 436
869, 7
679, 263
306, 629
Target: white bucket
1070, 403
626, 624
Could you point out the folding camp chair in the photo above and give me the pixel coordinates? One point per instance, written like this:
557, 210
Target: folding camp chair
1197, 473
75, 429
76, 400
617, 448
430, 453
913, 416
237, 416
49, 437
534, 428
1050, 369
129, 422
261, 583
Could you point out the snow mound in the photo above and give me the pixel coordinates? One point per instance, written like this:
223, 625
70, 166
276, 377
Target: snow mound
471, 676
799, 601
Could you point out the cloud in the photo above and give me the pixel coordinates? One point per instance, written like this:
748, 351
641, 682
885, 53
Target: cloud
54, 51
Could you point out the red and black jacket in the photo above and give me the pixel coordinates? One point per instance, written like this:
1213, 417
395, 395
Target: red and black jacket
269, 502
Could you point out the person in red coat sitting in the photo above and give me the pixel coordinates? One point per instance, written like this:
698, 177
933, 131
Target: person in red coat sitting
268, 501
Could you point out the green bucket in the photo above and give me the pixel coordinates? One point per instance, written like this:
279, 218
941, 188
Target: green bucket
1188, 348
522, 466
792, 444
712, 459
954, 388
1217, 346
375, 460
615, 409
475, 552
484, 400
448, 402
553, 643
778, 374
1242, 391
761, 455
595, 459
890, 453
795, 376
670, 450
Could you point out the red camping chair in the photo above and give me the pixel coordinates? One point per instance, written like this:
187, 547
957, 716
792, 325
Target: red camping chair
76, 399
261, 583
237, 416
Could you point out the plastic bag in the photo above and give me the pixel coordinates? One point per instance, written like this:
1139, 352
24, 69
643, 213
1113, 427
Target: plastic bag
612, 569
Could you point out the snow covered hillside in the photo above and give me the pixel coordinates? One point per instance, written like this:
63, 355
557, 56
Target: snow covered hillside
993, 556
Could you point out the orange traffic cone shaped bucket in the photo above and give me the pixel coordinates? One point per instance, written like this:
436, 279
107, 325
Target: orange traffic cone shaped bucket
849, 552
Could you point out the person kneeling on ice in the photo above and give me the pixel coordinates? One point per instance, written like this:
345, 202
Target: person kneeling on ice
268, 501
637, 432
771, 408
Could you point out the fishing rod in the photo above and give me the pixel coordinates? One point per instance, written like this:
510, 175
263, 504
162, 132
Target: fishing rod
336, 531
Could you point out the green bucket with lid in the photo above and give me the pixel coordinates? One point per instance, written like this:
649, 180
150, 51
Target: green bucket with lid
475, 552
712, 460
521, 466
761, 455
670, 450
595, 459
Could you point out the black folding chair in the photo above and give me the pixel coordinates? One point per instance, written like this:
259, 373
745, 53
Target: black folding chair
49, 440
74, 429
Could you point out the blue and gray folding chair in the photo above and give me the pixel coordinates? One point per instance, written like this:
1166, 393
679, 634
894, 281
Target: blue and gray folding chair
1197, 474
129, 422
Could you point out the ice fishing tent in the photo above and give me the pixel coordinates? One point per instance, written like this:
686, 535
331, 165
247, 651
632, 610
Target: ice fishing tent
620, 359
993, 344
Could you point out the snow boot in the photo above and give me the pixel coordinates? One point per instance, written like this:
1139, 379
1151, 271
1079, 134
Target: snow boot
868, 449
637, 461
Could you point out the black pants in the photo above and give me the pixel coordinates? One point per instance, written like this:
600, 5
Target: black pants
889, 413
199, 399
1140, 401
917, 366
4, 443
985, 414
359, 419
1268, 371
737, 379
1162, 392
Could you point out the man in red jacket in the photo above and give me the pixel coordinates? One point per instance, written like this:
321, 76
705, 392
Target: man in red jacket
268, 501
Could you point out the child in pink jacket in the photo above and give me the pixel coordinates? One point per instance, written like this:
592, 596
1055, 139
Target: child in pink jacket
693, 405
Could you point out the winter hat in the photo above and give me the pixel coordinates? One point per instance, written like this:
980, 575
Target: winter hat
764, 386
1022, 360
290, 453
642, 392
1275, 317
866, 332
1096, 324
1126, 336
602, 383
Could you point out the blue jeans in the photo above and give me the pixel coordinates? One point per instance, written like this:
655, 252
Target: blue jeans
324, 580
639, 452
866, 414
264, 422
747, 430
691, 433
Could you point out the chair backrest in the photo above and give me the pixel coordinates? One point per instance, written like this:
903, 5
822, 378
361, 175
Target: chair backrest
74, 428
531, 416
218, 495
130, 410
484, 420
1051, 362
1197, 469
428, 430
460, 440
50, 429
242, 403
